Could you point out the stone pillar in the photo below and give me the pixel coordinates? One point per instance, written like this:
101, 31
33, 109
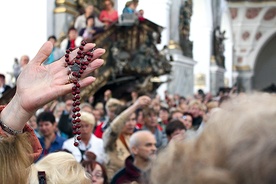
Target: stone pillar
244, 81
65, 14
216, 78
182, 75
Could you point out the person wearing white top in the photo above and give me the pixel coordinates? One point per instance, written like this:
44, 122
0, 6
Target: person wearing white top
89, 143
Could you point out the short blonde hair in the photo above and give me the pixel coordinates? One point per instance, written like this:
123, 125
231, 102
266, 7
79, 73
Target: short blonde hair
60, 167
87, 118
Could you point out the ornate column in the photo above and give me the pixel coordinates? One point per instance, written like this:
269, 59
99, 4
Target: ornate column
180, 49
65, 13
182, 75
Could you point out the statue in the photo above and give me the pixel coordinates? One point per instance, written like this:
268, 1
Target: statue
218, 46
184, 28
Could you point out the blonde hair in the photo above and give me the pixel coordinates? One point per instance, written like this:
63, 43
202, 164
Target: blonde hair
15, 158
60, 168
237, 146
87, 118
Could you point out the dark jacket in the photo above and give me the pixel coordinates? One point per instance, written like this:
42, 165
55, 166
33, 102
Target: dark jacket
127, 174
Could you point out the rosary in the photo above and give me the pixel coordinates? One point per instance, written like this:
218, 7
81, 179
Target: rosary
76, 67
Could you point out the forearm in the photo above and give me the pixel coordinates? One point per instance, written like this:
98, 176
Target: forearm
121, 119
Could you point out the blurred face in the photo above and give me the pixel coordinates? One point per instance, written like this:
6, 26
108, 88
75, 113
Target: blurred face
58, 111
86, 128
146, 149
179, 116
89, 10
164, 115
151, 120
188, 121
97, 114
107, 4
130, 125
46, 128
73, 34
194, 110
97, 175
140, 117
90, 22
68, 105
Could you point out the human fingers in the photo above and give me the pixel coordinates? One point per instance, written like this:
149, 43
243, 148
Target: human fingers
43, 53
144, 100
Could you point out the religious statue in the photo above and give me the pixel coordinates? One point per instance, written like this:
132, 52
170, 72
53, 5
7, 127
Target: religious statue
218, 46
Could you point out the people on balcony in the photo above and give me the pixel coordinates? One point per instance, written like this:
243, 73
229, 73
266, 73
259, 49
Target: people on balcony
80, 21
129, 7
90, 30
72, 40
109, 15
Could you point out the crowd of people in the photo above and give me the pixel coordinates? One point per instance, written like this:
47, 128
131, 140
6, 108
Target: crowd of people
227, 138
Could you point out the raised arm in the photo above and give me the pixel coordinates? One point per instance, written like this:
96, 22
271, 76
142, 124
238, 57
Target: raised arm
39, 84
112, 133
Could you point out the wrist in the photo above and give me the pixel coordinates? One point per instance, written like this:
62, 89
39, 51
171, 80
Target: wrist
14, 116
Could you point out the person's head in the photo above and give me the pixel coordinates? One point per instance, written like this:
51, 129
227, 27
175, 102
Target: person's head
46, 123
135, 3
128, 3
188, 120
89, 9
111, 105
155, 104
107, 94
87, 107
72, 33
96, 171
59, 167
143, 145
24, 60
194, 108
175, 128
177, 114
2, 80
130, 124
139, 115
87, 123
60, 107
164, 114
90, 21
15, 158
97, 114
150, 117
238, 146
108, 4
52, 39
99, 106
32, 122
141, 12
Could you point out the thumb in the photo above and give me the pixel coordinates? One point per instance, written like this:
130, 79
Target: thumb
43, 53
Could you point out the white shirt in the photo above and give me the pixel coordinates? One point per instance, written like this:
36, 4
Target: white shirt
95, 145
